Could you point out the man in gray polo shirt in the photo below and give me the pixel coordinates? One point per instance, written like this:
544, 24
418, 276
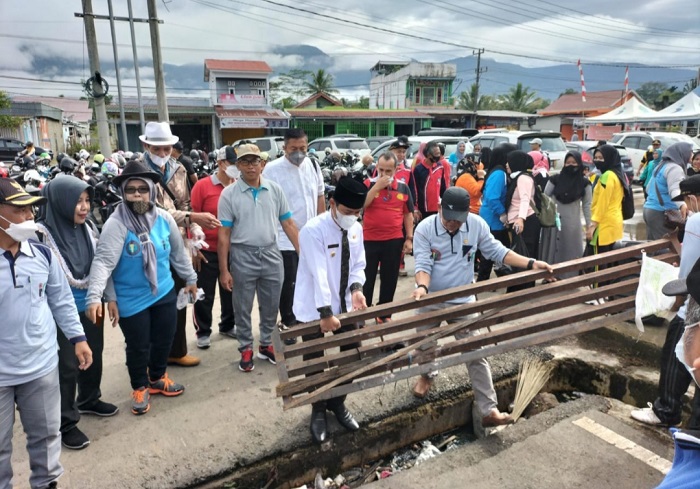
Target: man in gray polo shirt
249, 211
444, 247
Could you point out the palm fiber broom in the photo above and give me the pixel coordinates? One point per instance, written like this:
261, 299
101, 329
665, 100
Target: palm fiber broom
533, 375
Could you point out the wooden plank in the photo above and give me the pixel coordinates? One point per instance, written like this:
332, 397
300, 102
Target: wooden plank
522, 342
376, 331
316, 365
315, 381
629, 252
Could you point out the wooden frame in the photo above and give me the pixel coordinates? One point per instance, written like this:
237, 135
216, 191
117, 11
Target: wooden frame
395, 350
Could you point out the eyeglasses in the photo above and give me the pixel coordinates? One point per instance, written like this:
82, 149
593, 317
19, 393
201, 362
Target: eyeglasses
250, 162
140, 190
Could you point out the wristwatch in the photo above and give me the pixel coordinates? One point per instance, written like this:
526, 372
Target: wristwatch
422, 286
530, 263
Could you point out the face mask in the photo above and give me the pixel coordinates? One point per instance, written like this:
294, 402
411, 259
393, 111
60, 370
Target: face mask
296, 158
570, 170
680, 354
22, 231
233, 172
158, 160
139, 207
345, 222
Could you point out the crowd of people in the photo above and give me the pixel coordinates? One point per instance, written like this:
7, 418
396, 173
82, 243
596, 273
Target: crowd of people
265, 229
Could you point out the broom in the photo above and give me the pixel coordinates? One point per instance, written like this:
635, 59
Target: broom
533, 375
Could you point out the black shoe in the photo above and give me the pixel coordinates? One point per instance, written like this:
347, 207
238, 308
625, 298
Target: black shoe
74, 439
100, 408
345, 418
319, 427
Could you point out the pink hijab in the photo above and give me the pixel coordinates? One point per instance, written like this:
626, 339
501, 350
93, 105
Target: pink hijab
541, 162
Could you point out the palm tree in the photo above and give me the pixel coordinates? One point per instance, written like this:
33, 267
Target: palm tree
321, 82
520, 99
466, 100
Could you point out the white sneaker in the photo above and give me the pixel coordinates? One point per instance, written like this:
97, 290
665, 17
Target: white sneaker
203, 342
646, 415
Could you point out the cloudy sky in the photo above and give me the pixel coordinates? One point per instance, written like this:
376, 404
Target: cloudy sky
42, 39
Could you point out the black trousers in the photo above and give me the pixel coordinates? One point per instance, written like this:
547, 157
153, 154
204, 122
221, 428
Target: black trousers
149, 337
71, 377
179, 345
674, 380
531, 237
207, 278
336, 401
290, 260
486, 266
388, 253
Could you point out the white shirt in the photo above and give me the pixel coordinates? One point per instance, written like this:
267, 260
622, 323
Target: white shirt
318, 275
302, 185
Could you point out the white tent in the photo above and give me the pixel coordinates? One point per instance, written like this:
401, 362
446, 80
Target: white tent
631, 111
686, 109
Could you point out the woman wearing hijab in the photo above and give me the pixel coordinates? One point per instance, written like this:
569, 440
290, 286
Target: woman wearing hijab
139, 244
521, 192
663, 186
70, 236
493, 200
458, 156
540, 168
606, 225
645, 176
472, 180
694, 167
572, 193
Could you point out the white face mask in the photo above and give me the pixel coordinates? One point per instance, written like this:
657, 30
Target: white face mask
233, 172
345, 222
160, 161
22, 231
680, 354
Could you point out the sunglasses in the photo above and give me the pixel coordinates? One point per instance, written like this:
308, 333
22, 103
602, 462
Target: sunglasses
133, 190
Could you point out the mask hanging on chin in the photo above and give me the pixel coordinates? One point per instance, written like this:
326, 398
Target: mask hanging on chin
21, 232
159, 161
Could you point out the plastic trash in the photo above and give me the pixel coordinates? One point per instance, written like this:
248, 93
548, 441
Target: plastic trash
183, 298
429, 451
650, 300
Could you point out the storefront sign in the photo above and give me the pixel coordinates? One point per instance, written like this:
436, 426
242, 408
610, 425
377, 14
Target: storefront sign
602, 132
242, 99
248, 123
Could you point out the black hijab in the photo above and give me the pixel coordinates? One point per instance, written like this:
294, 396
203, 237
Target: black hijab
570, 185
611, 162
74, 242
485, 157
499, 157
520, 161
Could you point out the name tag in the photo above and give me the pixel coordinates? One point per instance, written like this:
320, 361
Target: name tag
333, 246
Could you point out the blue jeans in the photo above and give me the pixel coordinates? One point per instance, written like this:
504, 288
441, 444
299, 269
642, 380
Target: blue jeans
39, 406
149, 335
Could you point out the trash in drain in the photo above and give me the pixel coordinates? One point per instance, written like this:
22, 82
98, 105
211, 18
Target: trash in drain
400, 460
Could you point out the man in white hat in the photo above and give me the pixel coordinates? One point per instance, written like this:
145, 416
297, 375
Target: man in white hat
536, 144
174, 195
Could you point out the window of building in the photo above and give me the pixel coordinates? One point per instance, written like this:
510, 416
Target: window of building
261, 92
232, 91
439, 96
417, 97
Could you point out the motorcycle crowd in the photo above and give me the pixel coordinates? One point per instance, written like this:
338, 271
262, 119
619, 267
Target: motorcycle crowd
33, 171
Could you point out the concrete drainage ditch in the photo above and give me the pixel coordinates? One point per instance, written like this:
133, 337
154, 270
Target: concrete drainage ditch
437, 419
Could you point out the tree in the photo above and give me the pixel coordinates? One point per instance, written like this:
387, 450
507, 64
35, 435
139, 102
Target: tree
520, 99
690, 85
568, 91
321, 82
466, 100
7, 121
650, 91
288, 89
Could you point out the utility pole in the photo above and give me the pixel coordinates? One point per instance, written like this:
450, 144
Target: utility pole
125, 140
479, 71
136, 69
98, 97
157, 62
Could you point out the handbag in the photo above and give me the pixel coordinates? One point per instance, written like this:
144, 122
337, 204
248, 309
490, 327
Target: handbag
673, 219
517, 245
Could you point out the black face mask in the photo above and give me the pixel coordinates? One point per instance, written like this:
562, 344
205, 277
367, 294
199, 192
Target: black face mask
570, 170
139, 207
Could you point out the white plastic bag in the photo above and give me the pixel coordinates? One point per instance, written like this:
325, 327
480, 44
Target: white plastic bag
650, 300
183, 298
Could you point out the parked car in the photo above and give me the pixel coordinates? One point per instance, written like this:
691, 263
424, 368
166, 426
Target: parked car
638, 142
375, 141
552, 143
9, 147
586, 148
341, 145
448, 131
450, 143
273, 145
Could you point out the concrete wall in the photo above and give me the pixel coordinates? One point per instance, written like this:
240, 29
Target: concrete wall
244, 84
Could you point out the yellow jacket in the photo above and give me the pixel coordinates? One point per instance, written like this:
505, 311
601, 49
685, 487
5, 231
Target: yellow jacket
606, 209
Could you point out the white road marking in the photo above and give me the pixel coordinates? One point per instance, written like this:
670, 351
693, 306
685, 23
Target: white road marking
640, 453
